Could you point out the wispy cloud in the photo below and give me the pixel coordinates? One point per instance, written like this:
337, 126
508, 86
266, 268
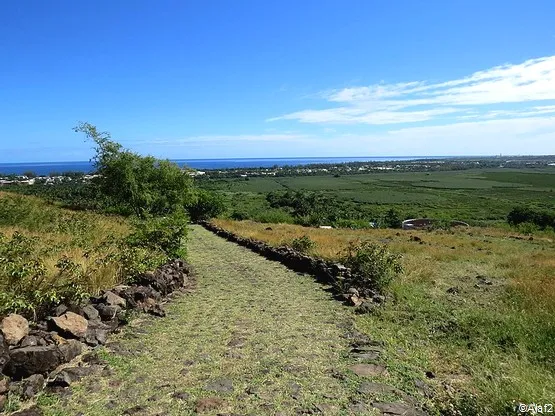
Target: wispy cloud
223, 139
530, 86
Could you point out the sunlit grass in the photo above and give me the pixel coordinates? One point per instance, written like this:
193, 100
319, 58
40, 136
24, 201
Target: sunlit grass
59, 233
474, 305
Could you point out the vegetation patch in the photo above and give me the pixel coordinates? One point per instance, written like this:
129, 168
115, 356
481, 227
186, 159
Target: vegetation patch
472, 309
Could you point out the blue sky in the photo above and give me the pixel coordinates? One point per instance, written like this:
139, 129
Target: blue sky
218, 79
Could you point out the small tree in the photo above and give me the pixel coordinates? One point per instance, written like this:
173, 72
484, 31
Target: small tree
392, 219
206, 205
148, 186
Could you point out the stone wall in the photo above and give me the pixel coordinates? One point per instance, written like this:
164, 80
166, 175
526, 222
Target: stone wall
31, 353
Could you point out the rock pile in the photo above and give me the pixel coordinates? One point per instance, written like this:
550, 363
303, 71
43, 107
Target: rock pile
335, 274
31, 352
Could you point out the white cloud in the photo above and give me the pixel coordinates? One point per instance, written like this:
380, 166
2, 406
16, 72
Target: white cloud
530, 135
222, 139
529, 85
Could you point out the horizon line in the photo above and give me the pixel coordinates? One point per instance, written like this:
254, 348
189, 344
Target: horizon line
304, 157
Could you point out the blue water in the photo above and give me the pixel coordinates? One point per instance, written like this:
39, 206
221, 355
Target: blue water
60, 167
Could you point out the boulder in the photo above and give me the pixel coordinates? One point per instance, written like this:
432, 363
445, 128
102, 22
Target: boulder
4, 352
14, 327
70, 375
32, 385
33, 360
97, 333
3, 400
70, 349
111, 299
71, 323
91, 313
29, 341
107, 312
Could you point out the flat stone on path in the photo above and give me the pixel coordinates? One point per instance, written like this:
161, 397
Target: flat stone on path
365, 370
221, 385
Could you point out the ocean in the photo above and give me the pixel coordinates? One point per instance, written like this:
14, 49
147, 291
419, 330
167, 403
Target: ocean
47, 168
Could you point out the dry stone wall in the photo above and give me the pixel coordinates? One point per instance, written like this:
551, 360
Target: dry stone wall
31, 353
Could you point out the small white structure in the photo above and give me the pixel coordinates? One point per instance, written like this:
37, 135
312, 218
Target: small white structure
326, 227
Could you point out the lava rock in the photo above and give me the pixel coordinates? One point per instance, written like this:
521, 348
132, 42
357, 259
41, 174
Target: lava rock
29, 341
107, 312
70, 349
14, 327
33, 360
32, 385
91, 313
70, 323
111, 299
97, 333
4, 352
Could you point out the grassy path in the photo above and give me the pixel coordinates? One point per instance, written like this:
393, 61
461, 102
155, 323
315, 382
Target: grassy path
254, 338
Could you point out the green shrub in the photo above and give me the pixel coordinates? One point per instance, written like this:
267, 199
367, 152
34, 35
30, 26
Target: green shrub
541, 218
302, 244
274, 216
373, 266
166, 234
240, 215
206, 205
392, 219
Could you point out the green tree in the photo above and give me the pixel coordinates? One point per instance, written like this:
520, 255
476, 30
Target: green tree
206, 205
148, 186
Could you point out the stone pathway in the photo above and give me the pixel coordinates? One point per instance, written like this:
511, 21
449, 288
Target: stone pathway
254, 338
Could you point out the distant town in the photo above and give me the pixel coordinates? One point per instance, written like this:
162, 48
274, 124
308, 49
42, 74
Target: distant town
338, 169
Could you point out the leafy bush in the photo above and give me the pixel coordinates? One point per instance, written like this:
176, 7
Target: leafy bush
239, 215
273, 216
166, 234
541, 218
392, 219
302, 244
373, 266
206, 205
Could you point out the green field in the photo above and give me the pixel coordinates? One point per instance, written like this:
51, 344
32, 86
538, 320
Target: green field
476, 196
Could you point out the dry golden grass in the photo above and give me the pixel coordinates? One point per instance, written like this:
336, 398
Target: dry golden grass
60, 232
528, 265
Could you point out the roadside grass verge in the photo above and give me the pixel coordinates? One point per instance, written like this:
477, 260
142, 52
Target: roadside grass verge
474, 307
50, 254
